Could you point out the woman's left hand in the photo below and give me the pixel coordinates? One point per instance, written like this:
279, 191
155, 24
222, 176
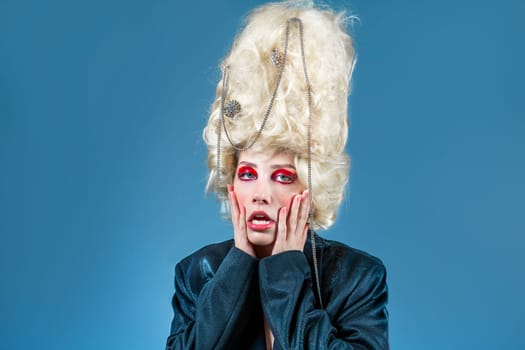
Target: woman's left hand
292, 228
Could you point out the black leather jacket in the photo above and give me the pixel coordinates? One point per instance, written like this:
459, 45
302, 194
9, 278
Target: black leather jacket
221, 293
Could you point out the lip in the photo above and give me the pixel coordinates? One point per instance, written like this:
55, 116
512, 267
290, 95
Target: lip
260, 221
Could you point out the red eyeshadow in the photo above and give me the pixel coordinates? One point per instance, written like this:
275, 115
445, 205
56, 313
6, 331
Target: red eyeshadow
246, 173
284, 176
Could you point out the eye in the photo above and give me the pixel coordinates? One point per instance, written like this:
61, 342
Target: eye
284, 176
246, 173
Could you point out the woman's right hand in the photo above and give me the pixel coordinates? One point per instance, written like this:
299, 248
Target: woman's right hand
238, 214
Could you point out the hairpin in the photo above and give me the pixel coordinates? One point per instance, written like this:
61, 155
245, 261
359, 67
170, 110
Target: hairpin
231, 108
277, 57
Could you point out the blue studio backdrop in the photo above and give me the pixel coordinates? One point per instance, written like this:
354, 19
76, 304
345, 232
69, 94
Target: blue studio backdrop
102, 167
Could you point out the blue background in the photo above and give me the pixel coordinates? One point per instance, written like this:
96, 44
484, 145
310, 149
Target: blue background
102, 167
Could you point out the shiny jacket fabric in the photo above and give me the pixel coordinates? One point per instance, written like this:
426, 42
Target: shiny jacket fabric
221, 293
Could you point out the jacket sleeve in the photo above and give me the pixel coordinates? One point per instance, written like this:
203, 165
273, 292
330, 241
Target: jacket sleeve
357, 316
211, 318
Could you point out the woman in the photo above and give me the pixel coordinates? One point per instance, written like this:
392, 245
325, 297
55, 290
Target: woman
276, 151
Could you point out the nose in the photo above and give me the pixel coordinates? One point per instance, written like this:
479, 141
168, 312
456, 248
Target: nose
261, 194
260, 198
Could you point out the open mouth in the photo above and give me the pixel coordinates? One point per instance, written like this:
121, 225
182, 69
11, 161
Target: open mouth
259, 221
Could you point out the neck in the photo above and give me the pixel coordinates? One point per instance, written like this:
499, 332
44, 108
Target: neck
263, 251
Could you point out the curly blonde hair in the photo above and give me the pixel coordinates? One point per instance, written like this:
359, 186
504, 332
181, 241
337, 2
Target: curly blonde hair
330, 57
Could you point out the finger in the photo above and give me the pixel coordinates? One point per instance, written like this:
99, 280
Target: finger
233, 198
304, 235
303, 212
303, 224
305, 209
238, 215
234, 206
294, 211
282, 228
242, 222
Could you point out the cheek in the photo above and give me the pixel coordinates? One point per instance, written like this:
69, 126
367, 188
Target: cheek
241, 198
287, 193
285, 199
240, 192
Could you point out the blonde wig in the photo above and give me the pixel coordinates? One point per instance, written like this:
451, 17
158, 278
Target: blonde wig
253, 66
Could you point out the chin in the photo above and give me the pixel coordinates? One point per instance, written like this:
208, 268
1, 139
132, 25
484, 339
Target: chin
261, 238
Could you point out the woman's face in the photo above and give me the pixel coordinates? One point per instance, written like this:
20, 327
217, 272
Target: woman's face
265, 183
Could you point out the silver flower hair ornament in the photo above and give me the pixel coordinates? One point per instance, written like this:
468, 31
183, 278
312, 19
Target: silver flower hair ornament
277, 58
232, 108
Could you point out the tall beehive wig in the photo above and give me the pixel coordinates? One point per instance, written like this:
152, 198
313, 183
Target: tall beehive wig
253, 69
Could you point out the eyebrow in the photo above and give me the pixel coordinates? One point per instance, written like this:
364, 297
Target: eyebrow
273, 166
